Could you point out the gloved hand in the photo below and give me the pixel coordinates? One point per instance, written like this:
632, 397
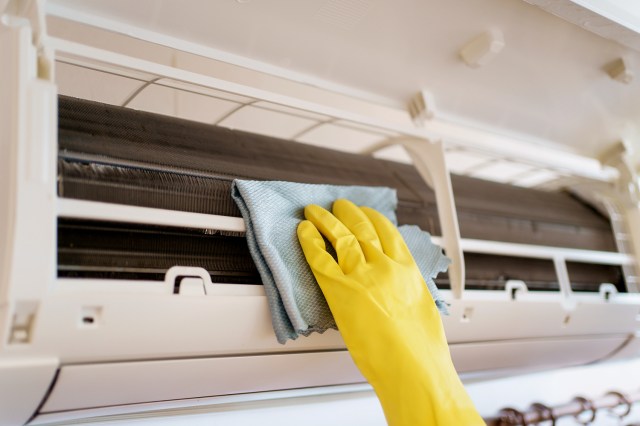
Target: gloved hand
386, 315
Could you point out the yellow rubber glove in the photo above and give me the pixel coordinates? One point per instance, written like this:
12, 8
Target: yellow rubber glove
386, 315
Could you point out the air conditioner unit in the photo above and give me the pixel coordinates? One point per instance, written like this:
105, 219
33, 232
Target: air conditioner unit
125, 278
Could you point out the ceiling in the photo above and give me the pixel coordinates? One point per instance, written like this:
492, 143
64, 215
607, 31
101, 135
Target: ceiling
547, 85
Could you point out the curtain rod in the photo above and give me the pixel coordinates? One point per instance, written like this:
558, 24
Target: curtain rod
583, 409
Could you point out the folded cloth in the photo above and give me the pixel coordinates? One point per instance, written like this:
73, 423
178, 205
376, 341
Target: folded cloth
272, 211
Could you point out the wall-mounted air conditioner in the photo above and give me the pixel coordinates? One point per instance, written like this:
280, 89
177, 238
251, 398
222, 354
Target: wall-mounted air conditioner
126, 281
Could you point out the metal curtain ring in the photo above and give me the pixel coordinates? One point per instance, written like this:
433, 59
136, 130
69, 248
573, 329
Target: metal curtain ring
586, 405
511, 416
544, 412
622, 399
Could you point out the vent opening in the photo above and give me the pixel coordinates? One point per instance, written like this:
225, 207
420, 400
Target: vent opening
97, 249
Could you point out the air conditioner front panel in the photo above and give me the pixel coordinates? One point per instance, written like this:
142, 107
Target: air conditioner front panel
145, 326
99, 385
532, 355
481, 316
152, 326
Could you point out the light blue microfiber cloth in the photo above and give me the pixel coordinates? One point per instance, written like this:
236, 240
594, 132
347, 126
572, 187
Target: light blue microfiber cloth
272, 211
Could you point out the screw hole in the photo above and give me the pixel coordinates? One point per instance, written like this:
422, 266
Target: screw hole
466, 315
90, 316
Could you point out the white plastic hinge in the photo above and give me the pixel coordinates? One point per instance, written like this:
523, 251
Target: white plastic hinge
515, 287
619, 155
616, 153
483, 49
22, 322
607, 291
422, 107
187, 280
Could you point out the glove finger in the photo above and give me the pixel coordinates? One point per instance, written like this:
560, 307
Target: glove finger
360, 225
393, 244
315, 251
347, 247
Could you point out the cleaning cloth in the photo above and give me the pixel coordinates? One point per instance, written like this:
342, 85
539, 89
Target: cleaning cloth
272, 211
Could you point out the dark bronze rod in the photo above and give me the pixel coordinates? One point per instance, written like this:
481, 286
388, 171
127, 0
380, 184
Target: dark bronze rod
583, 409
